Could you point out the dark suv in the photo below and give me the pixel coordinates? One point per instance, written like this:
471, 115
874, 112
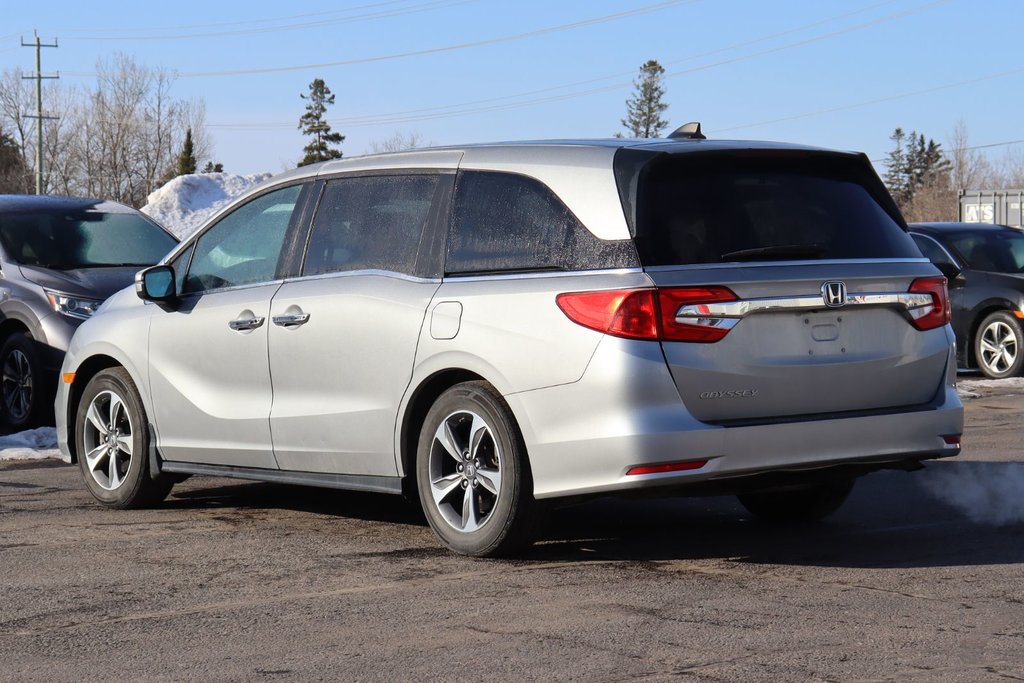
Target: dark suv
60, 257
987, 297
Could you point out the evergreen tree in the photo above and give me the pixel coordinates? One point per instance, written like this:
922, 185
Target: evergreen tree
914, 165
320, 148
213, 168
645, 107
187, 158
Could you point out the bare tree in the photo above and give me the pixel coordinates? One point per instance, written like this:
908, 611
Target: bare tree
970, 168
399, 142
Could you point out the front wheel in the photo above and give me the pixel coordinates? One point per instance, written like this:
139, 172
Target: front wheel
112, 443
804, 504
998, 346
25, 396
472, 473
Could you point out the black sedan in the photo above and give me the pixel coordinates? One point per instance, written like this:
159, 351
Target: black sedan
987, 297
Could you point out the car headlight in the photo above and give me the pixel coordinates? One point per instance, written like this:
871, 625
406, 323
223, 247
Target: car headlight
72, 306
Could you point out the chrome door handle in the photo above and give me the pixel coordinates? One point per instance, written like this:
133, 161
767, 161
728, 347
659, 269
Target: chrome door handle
246, 323
291, 320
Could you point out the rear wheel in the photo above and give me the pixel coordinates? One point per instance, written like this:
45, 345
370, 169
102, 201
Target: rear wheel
805, 504
112, 443
999, 346
472, 473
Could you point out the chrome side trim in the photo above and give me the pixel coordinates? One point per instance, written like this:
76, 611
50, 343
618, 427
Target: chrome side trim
544, 274
914, 303
370, 271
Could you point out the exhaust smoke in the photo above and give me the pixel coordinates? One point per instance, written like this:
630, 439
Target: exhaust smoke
985, 492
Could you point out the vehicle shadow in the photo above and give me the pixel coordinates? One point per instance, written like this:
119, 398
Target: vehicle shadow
952, 514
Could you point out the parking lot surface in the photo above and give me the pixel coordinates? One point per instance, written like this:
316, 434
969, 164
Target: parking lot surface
920, 576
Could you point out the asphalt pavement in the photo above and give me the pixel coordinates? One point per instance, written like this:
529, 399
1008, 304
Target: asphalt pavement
235, 581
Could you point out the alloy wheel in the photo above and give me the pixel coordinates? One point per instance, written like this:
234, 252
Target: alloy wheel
108, 440
465, 467
998, 347
17, 385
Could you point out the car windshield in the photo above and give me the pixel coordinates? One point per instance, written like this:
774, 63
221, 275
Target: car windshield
998, 251
64, 240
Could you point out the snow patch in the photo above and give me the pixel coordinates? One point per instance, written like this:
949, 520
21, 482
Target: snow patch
977, 388
188, 201
33, 444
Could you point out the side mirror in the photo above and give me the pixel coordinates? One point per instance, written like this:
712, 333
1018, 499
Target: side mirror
156, 283
953, 274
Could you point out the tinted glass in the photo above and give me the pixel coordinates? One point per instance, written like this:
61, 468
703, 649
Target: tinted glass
83, 239
930, 248
504, 222
718, 208
996, 251
245, 246
370, 223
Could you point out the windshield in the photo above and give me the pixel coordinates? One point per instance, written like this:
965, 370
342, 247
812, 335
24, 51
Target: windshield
998, 251
730, 208
64, 240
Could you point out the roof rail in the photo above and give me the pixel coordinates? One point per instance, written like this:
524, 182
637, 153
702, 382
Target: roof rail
689, 131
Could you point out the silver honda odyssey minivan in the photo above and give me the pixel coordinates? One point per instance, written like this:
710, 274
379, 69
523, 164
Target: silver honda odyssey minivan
495, 328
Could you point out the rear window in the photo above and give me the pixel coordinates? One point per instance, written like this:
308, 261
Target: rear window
700, 208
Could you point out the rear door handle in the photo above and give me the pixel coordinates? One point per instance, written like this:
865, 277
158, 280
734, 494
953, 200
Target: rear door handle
242, 324
291, 320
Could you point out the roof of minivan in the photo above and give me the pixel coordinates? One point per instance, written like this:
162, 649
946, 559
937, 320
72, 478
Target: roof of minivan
955, 227
580, 172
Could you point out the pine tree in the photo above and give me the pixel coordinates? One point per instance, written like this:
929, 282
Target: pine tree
13, 174
313, 123
213, 168
915, 165
644, 109
187, 158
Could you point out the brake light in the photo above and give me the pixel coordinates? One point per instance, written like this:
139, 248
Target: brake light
936, 315
648, 314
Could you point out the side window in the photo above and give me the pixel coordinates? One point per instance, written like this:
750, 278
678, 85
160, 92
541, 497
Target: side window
931, 250
370, 223
245, 246
506, 222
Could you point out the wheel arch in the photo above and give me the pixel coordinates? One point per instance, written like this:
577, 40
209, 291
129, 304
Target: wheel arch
420, 401
88, 369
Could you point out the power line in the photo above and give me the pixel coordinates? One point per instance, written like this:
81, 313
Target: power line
646, 9
422, 7
451, 111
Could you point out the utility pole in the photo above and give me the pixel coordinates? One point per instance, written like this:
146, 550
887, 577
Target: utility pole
39, 76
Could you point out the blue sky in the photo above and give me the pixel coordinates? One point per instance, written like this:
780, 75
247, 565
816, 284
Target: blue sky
835, 73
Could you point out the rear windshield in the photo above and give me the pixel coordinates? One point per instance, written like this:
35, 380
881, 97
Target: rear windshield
703, 208
68, 239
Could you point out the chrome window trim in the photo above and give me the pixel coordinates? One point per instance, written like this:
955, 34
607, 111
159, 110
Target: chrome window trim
541, 275
233, 288
940, 246
770, 264
367, 271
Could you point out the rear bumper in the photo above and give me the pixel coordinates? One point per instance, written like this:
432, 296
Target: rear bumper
626, 411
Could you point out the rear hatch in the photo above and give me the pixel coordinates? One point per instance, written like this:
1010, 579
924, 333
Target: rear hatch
787, 284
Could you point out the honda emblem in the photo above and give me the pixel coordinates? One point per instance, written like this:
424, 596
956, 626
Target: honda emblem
834, 294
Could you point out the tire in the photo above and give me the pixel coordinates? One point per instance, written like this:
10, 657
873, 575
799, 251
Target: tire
112, 442
999, 346
473, 475
26, 398
805, 504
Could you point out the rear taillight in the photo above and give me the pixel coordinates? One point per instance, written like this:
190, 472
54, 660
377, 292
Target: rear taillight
936, 315
649, 314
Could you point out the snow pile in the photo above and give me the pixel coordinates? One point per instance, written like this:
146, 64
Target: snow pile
978, 388
34, 444
186, 202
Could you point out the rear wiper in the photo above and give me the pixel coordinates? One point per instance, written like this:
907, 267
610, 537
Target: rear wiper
779, 252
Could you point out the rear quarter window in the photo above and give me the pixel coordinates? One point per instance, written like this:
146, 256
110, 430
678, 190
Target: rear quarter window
504, 222
695, 209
